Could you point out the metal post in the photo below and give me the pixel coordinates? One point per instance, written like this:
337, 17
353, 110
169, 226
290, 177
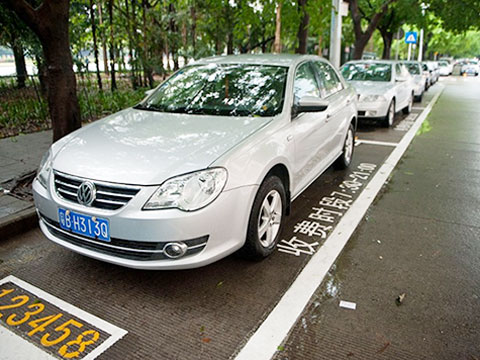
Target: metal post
409, 52
398, 45
335, 34
420, 48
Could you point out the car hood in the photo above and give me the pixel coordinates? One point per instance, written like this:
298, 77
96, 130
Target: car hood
372, 87
146, 148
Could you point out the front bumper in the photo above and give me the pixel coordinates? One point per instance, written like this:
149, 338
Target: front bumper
376, 109
210, 233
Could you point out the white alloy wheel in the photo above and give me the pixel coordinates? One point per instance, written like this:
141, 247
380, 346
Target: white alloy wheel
269, 218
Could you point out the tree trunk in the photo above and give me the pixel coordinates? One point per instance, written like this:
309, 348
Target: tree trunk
112, 47
19, 56
50, 23
359, 45
133, 76
302, 33
193, 15
387, 44
320, 41
42, 75
102, 35
277, 43
95, 46
363, 36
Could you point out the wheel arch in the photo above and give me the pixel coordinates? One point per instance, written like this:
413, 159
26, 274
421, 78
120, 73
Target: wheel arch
281, 171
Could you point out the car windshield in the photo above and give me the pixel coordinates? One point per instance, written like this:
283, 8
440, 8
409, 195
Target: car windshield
367, 71
443, 63
221, 89
413, 68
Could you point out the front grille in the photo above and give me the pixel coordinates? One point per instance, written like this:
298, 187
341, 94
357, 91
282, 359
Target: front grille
126, 249
109, 196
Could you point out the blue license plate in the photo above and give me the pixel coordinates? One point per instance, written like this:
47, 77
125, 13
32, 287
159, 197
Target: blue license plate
85, 225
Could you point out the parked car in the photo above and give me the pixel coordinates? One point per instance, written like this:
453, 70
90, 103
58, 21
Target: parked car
428, 75
420, 80
206, 165
445, 68
434, 71
384, 87
470, 67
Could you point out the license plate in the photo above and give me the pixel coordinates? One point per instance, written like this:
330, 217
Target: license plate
93, 227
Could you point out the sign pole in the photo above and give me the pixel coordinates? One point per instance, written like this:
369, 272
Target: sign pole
409, 52
420, 49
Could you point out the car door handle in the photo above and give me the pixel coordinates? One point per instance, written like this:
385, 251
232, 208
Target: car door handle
328, 117
289, 137
348, 102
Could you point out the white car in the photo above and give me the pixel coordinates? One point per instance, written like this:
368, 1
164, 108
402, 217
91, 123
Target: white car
420, 79
434, 71
384, 87
470, 67
445, 68
206, 165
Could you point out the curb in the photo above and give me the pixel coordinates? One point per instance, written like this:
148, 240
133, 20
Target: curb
18, 222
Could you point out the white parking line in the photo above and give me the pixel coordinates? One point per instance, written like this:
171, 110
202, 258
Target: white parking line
418, 108
263, 344
372, 142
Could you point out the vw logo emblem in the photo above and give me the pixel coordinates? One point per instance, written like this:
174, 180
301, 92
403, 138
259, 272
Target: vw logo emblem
86, 193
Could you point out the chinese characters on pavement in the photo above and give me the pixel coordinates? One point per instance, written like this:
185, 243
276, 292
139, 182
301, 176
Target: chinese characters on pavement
328, 211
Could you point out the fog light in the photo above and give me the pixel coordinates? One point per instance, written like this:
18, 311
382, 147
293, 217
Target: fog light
175, 250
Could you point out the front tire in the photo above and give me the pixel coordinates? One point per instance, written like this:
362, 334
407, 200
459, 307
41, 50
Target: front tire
408, 109
390, 117
345, 159
266, 220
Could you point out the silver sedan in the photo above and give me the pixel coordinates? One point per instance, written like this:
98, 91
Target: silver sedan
384, 87
208, 164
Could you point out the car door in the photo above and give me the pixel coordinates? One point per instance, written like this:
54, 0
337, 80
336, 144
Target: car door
310, 130
401, 88
338, 110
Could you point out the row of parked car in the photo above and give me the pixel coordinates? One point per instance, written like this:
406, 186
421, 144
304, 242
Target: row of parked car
385, 87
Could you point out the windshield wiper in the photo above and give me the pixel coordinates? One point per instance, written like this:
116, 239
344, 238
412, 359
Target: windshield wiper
149, 107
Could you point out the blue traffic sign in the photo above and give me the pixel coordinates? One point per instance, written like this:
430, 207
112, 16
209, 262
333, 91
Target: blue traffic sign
411, 37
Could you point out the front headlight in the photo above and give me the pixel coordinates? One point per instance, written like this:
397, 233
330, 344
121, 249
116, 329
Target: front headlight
189, 192
44, 168
372, 98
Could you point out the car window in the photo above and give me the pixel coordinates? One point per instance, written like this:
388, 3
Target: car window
305, 82
413, 68
328, 77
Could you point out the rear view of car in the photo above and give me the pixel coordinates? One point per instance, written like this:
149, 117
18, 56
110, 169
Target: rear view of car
445, 68
470, 67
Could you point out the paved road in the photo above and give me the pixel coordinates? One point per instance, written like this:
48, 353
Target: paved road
210, 313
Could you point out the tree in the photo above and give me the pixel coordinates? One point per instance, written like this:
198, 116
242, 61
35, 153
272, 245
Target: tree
14, 34
366, 10
277, 44
95, 46
302, 33
49, 21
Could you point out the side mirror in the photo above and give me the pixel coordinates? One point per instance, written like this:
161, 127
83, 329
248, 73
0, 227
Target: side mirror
310, 104
149, 92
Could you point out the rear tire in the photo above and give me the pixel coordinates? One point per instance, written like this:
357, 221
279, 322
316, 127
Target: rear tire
345, 159
390, 117
408, 109
266, 220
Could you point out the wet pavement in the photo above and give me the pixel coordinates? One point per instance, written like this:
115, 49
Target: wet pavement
423, 226
421, 239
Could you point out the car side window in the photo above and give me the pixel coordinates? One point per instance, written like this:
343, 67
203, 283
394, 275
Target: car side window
329, 78
305, 83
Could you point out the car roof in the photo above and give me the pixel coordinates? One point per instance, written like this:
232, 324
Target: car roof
262, 59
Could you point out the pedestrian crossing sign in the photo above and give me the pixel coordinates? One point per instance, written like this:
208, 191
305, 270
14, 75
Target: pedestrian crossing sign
411, 37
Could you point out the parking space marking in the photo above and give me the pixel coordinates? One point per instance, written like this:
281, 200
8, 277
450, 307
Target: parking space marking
418, 108
25, 331
372, 142
263, 344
